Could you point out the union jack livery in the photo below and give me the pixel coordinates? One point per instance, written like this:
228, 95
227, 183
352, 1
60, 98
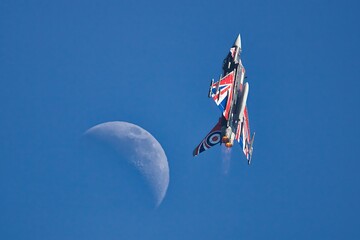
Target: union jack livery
230, 95
221, 92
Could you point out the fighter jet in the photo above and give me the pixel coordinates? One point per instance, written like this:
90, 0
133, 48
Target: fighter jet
230, 94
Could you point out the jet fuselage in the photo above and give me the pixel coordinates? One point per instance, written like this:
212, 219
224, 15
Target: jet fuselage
231, 63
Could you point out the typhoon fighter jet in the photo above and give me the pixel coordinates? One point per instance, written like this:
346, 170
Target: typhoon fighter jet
230, 95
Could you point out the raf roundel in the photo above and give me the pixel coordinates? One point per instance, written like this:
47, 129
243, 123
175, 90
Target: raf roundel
213, 138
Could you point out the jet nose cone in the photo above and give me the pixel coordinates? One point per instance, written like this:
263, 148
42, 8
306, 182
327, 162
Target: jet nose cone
237, 42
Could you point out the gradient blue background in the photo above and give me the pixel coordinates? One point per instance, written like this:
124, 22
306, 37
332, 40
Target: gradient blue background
66, 66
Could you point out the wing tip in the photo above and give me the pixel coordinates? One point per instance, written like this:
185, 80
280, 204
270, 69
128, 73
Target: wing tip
195, 152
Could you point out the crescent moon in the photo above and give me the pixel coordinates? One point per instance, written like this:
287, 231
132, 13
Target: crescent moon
143, 150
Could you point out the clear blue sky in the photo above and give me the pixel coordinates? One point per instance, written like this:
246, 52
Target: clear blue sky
66, 66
